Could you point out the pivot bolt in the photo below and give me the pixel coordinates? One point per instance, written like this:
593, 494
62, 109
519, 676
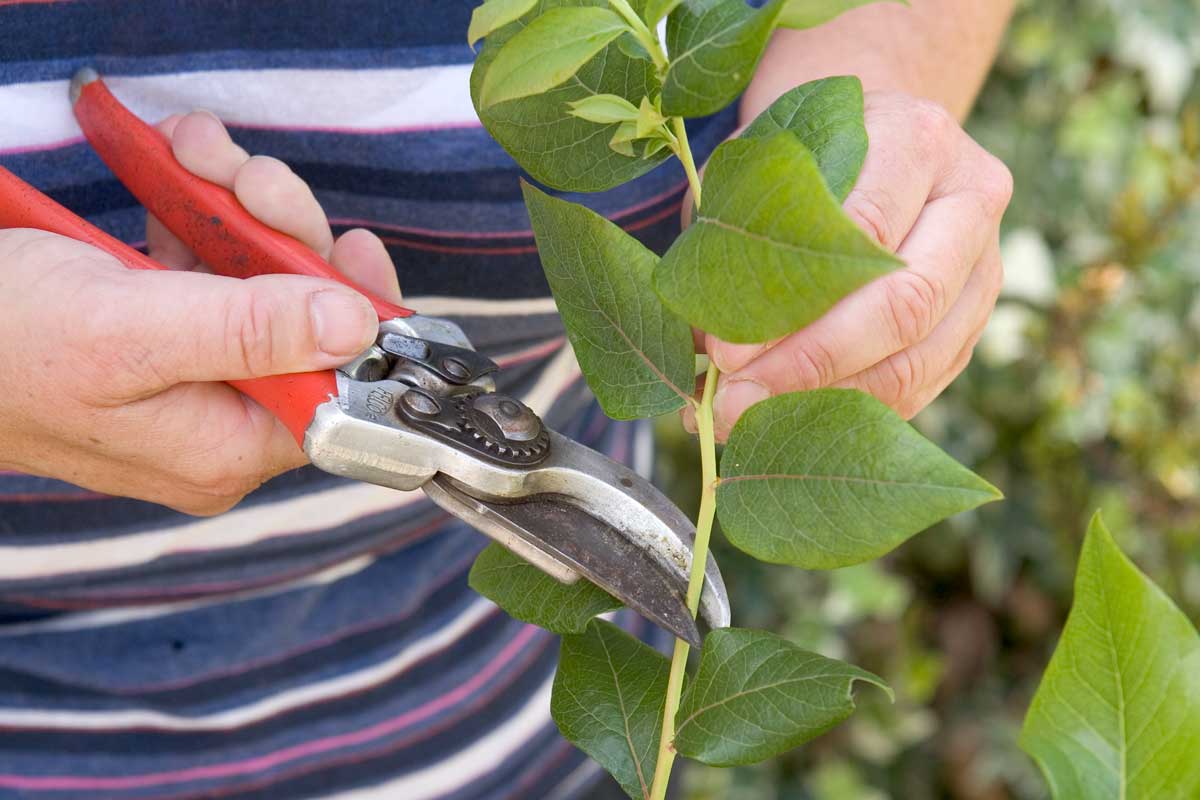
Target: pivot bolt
509, 418
421, 403
456, 368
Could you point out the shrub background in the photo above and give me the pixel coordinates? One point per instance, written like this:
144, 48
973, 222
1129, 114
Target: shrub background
1084, 394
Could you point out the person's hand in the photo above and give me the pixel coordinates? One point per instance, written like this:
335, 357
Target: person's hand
111, 375
931, 194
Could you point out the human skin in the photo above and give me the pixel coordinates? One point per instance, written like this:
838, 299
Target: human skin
114, 375
927, 191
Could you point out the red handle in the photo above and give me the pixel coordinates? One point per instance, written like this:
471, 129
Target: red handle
206, 217
291, 398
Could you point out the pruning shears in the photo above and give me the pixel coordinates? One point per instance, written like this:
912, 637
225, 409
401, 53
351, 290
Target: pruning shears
419, 409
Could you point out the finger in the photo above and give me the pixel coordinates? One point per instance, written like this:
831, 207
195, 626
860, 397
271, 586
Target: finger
202, 145
166, 249
280, 199
196, 327
910, 379
913, 146
362, 257
884, 317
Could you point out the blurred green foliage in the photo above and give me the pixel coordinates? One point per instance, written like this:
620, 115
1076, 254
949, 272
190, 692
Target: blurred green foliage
1084, 394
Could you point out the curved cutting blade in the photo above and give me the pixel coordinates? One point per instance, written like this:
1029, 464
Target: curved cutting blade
550, 527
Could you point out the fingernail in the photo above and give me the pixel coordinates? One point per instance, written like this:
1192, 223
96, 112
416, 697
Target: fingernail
343, 322
733, 398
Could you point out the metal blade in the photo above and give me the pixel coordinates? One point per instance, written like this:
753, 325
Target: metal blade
552, 533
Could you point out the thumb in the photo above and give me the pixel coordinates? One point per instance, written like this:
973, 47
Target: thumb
188, 327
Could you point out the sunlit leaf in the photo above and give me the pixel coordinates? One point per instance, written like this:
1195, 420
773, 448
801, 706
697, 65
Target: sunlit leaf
608, 701
530, 595
770, 249
637, 355
657, 9
833, 477
827, 116
495, 14
548, 51
811, 13
604, 108
555, 147
757, 695
714, 47
1117, 714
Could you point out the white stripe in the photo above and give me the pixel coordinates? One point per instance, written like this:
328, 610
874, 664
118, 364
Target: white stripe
281, 703
557, 375
441, 306
481, 759
107, 617
241, 527
39, 114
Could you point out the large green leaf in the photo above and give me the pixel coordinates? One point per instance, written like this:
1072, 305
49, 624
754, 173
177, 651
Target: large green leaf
637, 355
1117, 714
833, 477
770, 249
811, 13
548, 51
555, 147
657, 9
714, 47
495, 14
608, 701
530, 595
827, 116
757, 695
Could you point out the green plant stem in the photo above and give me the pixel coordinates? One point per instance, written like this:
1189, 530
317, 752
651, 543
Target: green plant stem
644, 34
684, 151
704, 524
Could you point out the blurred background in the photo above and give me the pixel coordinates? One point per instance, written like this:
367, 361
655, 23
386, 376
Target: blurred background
1083, 395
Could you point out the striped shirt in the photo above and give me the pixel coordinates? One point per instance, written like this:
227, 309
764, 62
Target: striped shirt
320, 638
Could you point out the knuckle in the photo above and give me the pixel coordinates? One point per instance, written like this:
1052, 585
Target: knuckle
934, 125
812, 365
902, 375
249, 332
875, 211
913, 305
995, 185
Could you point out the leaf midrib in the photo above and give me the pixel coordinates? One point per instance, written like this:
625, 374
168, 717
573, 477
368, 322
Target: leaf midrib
849, 479
637, 762
799, 248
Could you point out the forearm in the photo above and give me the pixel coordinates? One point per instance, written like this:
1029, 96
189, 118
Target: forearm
937, 49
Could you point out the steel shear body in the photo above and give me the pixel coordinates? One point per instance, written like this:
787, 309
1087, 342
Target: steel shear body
417, 410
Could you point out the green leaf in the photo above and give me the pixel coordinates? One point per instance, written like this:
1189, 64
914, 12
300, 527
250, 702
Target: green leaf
495, 14
833, 477
714, 46
608, 699
548, 51
539, 132
811, 13
827, 116
1118, 711
770, 249
530, 595
657, 9
757, 695
604, 108
636, 354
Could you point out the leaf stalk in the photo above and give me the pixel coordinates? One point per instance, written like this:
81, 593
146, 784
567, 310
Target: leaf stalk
704, 525
644, 34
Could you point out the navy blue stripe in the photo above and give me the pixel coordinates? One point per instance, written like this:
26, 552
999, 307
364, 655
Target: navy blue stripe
81, 29
190, 61
194, 661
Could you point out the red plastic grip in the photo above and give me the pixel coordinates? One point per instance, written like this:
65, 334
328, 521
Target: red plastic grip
206, 217
291, 398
